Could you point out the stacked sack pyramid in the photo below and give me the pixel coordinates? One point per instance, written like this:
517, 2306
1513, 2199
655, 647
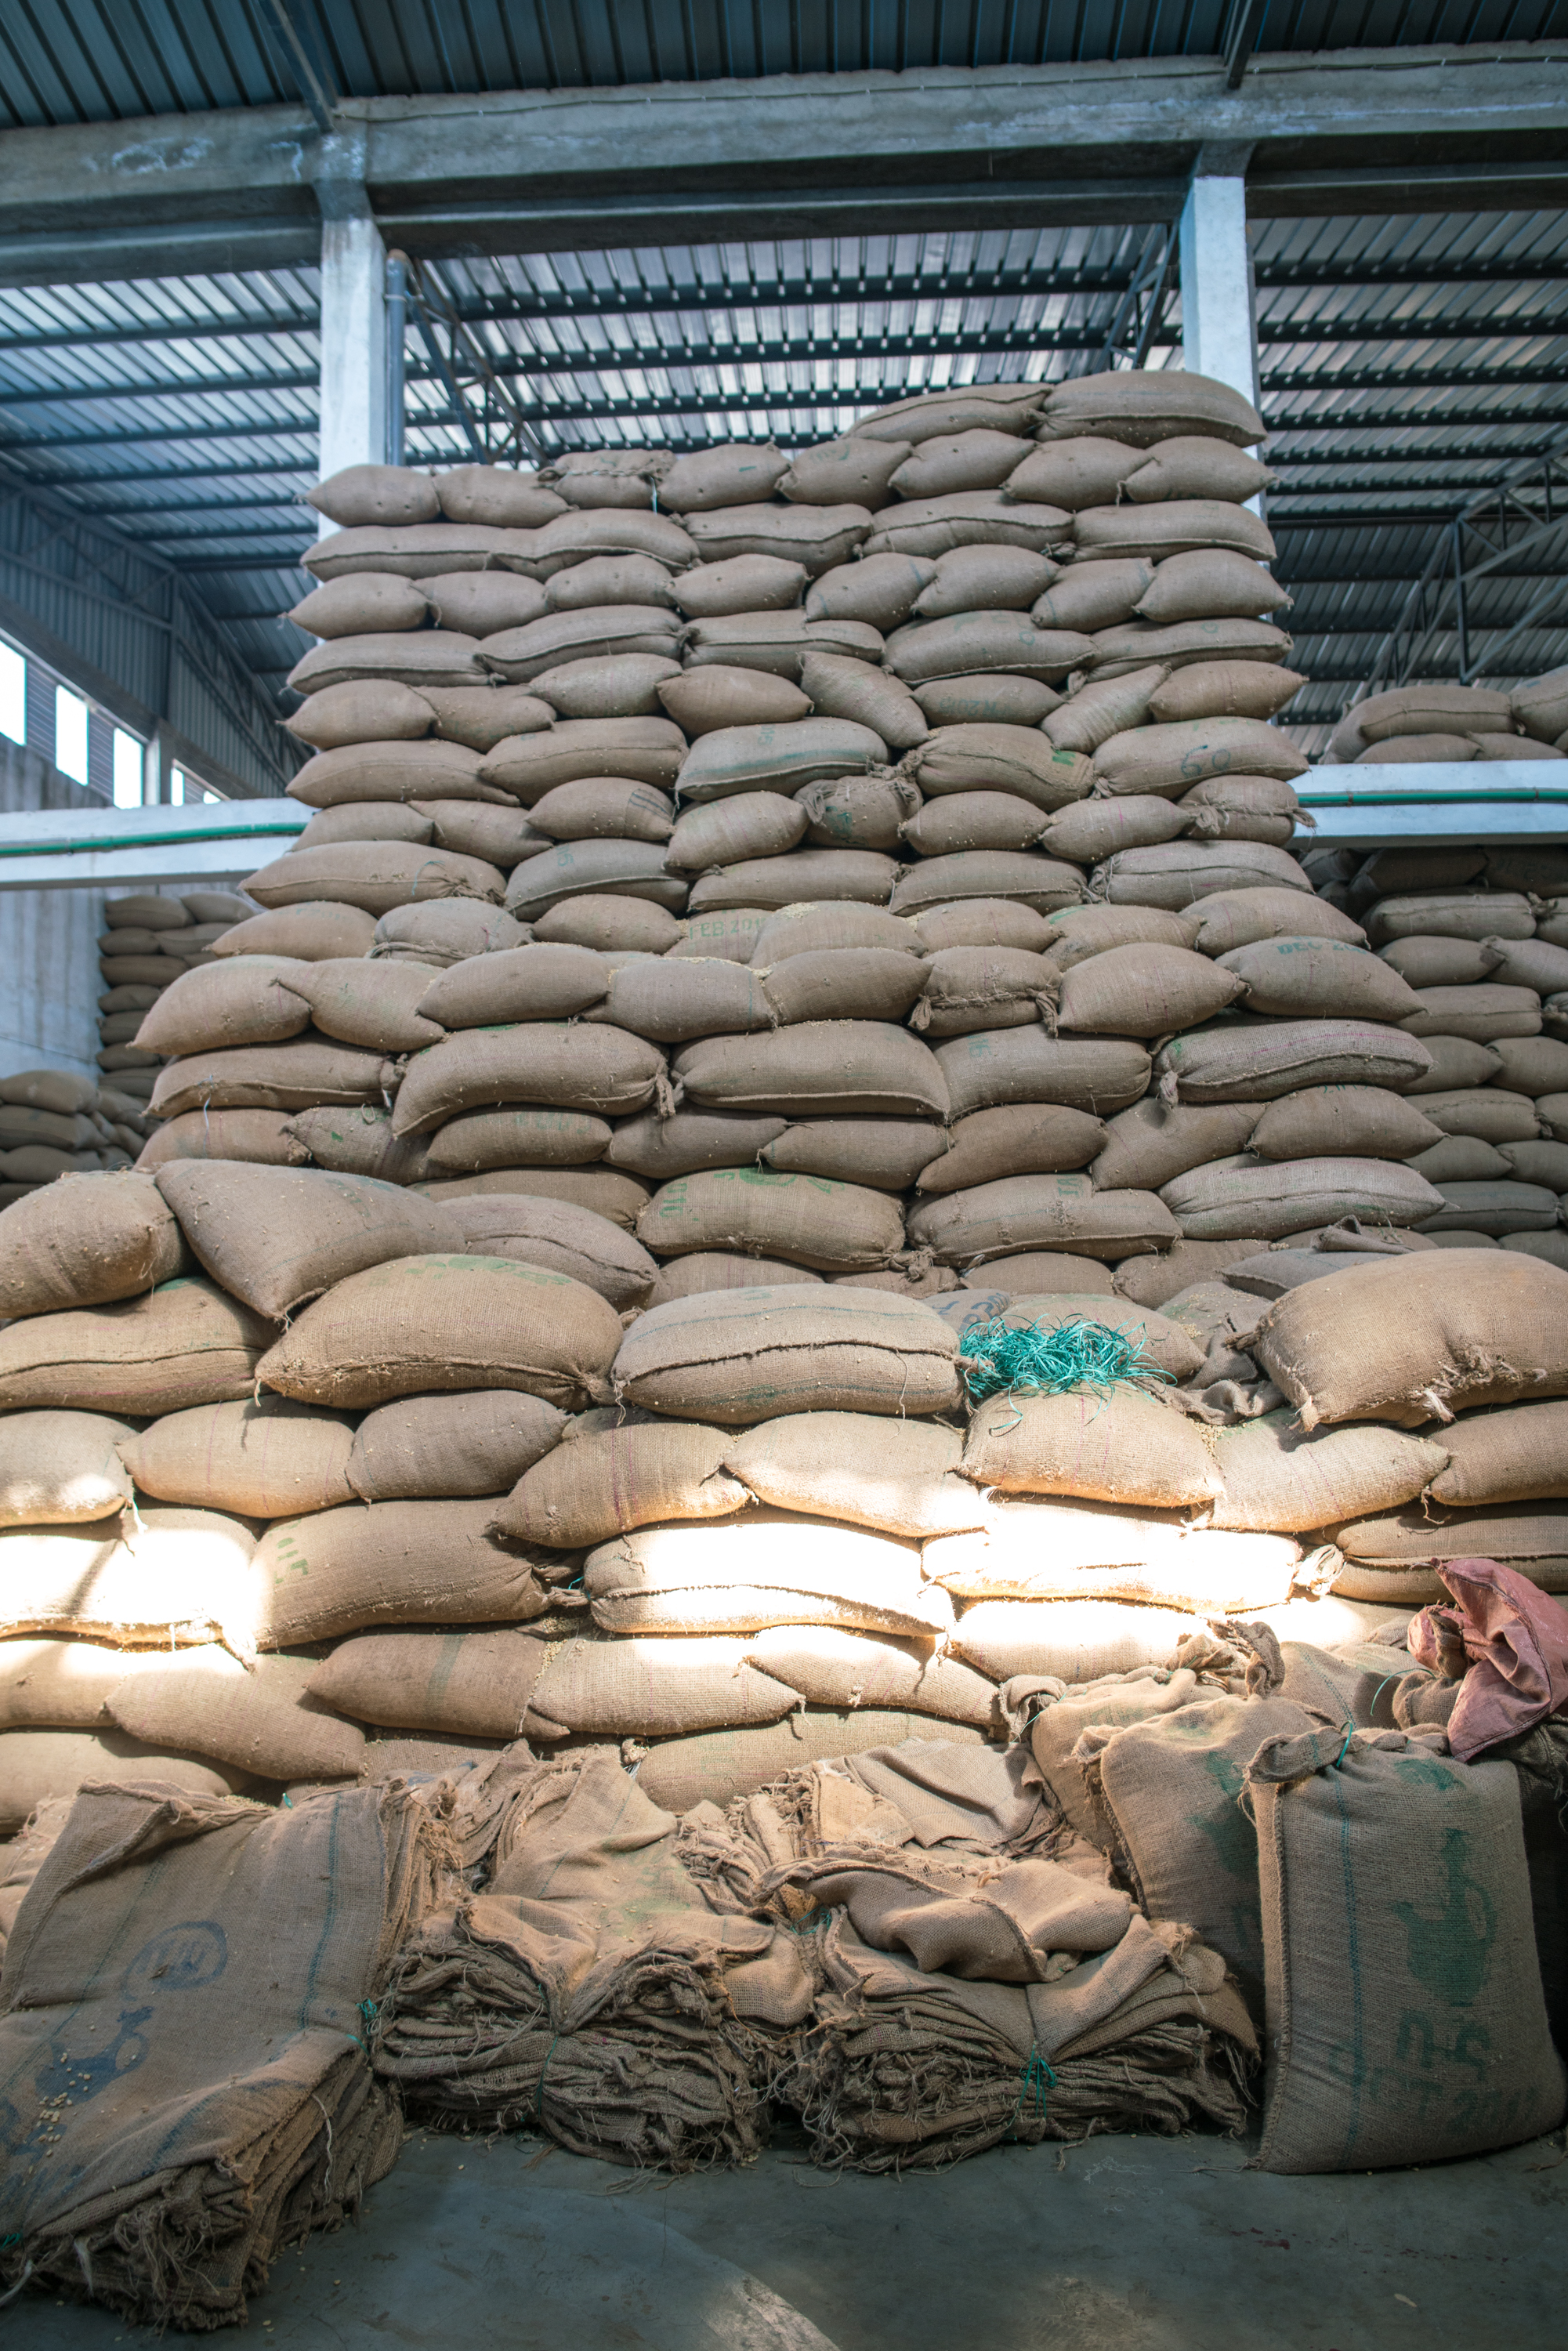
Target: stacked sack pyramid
738, 1194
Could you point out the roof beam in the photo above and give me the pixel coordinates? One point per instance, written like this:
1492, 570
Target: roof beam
1347, 131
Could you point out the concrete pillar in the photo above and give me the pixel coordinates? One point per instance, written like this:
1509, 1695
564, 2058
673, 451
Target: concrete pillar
1218, 312
353, 317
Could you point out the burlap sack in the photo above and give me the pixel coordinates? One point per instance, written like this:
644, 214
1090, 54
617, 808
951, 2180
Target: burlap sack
446, 1323
934, 527
1009, 642
1452, 914
176, 1577
659, 1148
497, 495
354, 1142
776, 643
816, 538
1030, 1212
739, 1356
528, 982
48, 1768
1147, 407
1025, 1065
57, 1469
842, 984
1210, 584
969, 820
896, 1477
1188, 1266
360, 603
267, 1459
620, 1197
810, 929
376, 494
1094, 596
1341, 1122
1519, 1455
1072, 1640
1177, 527
1143, 991
252, 2116
412, 551
731, 831
732, 933
477, 1442
305, 933
979, 579
265, 1137
1167, 1790
421, 657
1397, 1947
642, 750
886, 1153
85, 1241
603, 477
259, 1720
1487, 1113
423, 1562
1120, 650
1493, 1209
745, 583
1020, 1139
446, 931
986, 698
509, 1138
1097, 830
653, 1688
620, 1476
633, 869
560, 1237
245, 1000
596, 1068
1118, 1447
374, 1004
1523, 1535
63, 1685
687, 1277
361, 773
814, 874
1041, 882
978, 457
1231, 1198
1001, 759
1182, 872
831, 1227
1260, 1063
1276, 1476
1057, 1713
831, 1668
858, 1068
602, 631
736, 1575
1237, 917
470, 1685
1413, 1338
301, 1074
1154, 1142
371, 820
1225, 689
725, 1764
276, 1236
183, 1343
878, 589
481, 717
1196, 466
1483, 1014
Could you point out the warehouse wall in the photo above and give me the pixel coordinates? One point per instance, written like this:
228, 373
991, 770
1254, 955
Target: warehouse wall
48, 955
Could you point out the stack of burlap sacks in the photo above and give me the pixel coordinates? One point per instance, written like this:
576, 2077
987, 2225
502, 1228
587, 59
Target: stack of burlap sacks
56, 1122
148, 940
1433, 722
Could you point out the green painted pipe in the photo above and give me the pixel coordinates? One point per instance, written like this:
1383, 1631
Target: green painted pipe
144, 841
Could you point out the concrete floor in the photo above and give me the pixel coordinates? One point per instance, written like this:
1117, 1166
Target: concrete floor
1123, 2244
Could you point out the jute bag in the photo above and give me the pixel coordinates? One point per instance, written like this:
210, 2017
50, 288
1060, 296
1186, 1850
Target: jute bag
1406, 2018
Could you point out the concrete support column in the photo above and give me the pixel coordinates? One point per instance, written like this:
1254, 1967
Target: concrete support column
1218, 311
353, 316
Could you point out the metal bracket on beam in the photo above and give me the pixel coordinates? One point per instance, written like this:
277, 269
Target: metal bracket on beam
308, 73
494, 424
1240, 39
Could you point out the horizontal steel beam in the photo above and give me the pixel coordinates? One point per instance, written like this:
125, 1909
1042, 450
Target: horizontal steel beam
1348, 130
1455, 376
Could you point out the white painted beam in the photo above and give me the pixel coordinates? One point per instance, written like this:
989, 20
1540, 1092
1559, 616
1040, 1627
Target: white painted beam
116, 849
1367, 807
1218, 313
353, 314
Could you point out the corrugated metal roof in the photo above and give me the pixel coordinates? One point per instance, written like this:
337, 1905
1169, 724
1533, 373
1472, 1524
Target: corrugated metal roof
102, 61
1407, 361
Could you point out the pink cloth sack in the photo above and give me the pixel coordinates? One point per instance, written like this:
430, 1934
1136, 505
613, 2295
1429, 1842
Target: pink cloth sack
1516, 1639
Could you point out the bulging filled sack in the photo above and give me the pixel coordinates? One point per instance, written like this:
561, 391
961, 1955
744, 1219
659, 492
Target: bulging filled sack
611, 1474
184, 1343
175, 1578
1397, 1947
738, 1356
1411, 1339
736, 1576
423, 1324
895, 1475
806, 1219
267, 1457
57, 1469
1276, 1475
1036, 1212
1259, 1062
479, 1441
276, 1236
389, 1563
85, 1241
1233, 1197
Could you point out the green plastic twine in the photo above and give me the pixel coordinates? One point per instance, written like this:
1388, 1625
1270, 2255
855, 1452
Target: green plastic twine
369, 2010
1034, 2081
1006, 1358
